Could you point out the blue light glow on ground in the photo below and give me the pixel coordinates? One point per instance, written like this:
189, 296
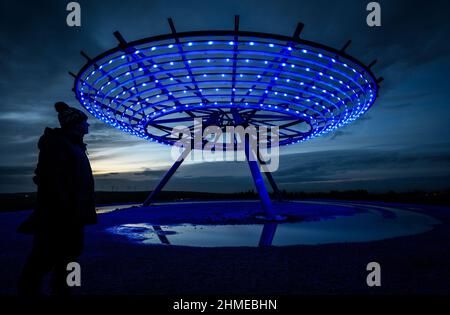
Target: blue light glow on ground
368, 223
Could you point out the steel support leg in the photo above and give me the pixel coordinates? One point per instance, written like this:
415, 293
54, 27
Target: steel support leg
259, 182
254, 168
268, 234
161, 236
166, 178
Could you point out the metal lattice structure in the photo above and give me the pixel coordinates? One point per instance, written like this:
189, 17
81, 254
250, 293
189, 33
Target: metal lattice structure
147, 87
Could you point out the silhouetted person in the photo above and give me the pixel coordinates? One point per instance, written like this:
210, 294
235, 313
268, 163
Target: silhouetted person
65, 203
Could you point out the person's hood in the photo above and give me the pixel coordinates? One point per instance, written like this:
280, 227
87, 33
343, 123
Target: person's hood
50, 136
56, 136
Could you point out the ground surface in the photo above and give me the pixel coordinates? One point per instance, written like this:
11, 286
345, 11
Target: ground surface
110, 265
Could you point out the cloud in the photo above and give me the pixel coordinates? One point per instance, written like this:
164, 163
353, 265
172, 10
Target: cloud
374, 170
315, 171
412, 49
150, 173
15, 171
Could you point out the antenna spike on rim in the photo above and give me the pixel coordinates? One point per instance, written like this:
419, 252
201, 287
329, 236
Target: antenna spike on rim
346, 45
372, 63
379, 80
172, 26
298, 30
120, 38
72, 74
85, 55
236, 23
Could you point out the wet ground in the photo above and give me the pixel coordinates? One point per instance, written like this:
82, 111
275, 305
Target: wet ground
213, 247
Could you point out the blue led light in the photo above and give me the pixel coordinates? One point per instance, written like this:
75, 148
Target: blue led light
324, 94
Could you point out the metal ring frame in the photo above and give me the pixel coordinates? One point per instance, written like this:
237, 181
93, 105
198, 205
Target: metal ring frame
147, 87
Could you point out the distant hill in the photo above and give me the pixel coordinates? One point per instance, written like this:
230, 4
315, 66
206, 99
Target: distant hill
25, 201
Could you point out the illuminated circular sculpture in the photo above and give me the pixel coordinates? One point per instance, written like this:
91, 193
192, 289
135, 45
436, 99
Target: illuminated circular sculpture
225, 78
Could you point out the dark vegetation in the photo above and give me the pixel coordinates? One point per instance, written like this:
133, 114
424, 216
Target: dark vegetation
26, 201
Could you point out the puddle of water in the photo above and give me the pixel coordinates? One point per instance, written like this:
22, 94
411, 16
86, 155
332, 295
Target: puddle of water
111, 208
371, 225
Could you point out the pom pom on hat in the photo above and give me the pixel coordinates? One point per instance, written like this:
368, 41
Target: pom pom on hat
60, 106
69, 116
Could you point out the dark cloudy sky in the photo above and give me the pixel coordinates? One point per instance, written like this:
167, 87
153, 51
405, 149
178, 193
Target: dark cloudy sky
402, 143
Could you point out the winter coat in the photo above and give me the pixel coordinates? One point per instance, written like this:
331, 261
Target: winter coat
65, 185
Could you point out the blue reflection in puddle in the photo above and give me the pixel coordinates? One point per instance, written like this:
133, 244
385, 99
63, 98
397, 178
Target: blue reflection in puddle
370, 225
